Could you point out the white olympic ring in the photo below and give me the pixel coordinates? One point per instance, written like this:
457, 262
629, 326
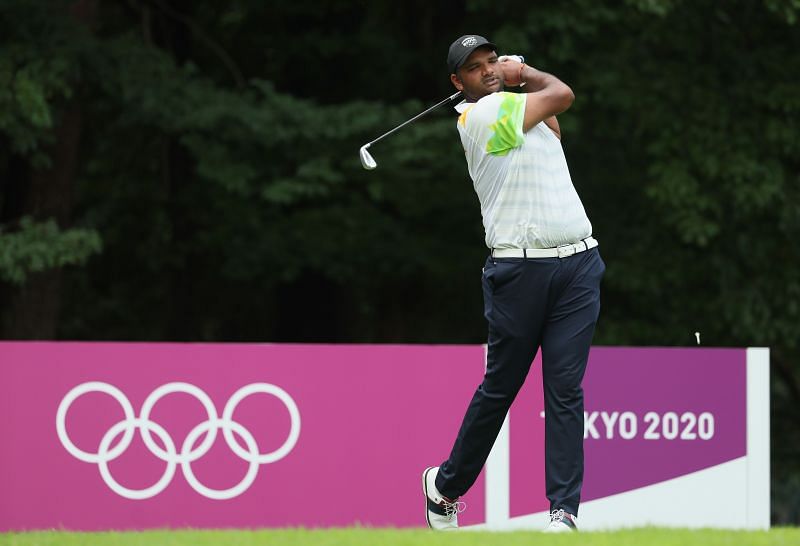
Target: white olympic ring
188, 452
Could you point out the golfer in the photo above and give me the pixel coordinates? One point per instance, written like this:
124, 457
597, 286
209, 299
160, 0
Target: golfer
541, 280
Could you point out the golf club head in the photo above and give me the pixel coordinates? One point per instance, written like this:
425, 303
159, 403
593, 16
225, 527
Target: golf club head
367, 161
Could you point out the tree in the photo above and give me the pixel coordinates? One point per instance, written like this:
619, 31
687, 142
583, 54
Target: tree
41, 124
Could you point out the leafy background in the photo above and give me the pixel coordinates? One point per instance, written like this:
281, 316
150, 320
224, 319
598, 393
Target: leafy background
188, 171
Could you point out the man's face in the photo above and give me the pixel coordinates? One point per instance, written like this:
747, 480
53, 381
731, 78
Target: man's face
480, 75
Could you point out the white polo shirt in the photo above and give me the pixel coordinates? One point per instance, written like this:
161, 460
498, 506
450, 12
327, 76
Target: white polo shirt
522, 180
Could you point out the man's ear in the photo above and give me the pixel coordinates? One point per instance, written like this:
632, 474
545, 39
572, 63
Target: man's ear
456, 81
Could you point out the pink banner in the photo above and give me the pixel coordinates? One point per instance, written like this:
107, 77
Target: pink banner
135, 436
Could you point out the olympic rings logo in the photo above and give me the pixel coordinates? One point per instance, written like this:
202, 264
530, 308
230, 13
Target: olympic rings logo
188, 452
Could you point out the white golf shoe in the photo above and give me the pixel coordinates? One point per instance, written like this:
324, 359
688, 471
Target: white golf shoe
561, 522
441, 513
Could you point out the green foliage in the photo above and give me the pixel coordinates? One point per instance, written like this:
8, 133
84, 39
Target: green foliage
39, 246
34, 75
788, 10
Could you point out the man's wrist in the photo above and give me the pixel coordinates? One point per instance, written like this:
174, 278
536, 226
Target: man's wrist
536, 79
522, 67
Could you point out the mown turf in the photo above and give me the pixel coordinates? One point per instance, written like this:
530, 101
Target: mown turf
388, 537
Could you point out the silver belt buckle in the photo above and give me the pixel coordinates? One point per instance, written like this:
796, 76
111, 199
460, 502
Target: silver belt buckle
565, 250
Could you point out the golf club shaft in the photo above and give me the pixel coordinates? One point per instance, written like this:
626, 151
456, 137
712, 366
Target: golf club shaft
434, 107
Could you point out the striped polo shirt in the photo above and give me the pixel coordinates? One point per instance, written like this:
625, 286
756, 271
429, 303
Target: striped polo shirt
522, 180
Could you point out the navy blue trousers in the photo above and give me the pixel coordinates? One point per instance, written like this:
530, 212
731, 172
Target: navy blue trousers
552, 303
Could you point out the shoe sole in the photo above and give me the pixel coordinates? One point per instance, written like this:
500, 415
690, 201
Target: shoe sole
425, 492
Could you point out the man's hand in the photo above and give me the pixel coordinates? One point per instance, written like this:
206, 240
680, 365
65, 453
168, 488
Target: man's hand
511, 67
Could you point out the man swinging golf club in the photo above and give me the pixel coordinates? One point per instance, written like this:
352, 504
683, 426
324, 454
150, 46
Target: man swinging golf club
541, 280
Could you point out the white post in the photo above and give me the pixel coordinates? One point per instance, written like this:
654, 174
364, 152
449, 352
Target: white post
498, 479
497, 475
758, 468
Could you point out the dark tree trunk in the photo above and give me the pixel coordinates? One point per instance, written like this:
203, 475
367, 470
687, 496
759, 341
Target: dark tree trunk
183, 307
31, 311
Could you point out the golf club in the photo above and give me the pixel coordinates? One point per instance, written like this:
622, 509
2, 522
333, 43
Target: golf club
368, 162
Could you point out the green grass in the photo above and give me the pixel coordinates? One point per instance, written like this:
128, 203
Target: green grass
388, 537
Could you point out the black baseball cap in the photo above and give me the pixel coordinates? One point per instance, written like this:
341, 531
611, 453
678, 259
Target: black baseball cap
463, 47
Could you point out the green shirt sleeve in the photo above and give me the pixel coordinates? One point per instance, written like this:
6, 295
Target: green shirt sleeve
506, 131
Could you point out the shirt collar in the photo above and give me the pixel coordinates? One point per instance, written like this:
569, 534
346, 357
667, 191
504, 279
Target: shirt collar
461, 106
